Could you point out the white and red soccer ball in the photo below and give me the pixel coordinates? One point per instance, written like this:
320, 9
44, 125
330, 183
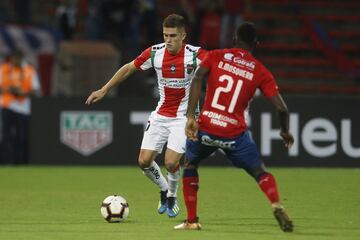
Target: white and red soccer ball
114, 208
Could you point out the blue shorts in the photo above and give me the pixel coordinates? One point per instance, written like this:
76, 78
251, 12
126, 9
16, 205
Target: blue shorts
241, 150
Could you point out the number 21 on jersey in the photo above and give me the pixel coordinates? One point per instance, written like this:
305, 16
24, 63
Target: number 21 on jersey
227, 89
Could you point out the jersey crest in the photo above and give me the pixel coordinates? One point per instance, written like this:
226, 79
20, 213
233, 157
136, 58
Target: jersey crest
172, 68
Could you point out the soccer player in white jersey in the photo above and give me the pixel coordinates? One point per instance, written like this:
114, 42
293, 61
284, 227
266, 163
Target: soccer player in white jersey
174, 63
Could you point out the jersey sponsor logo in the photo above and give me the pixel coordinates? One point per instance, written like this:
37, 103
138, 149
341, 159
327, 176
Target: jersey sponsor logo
228, 56
248, 64
218, 122
220, 117
86, 131
174, 83
208, 141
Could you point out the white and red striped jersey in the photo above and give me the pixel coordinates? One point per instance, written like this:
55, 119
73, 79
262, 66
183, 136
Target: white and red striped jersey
174, 74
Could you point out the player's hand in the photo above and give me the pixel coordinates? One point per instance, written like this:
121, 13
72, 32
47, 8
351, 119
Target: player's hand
288, 139
95, 96
191, 129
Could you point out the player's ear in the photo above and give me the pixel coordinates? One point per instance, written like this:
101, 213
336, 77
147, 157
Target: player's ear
183, 35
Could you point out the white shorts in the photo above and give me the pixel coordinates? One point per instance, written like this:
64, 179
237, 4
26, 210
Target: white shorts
163, 129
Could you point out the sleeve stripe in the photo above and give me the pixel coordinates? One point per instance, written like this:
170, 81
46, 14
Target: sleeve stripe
144, 65
152, 57
194, 60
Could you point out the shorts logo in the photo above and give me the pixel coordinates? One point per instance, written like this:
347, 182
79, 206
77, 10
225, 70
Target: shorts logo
207, 140
86, 131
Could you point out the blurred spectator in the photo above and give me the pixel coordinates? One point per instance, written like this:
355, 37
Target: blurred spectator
232, 18
142, 28
18, 82
22, 11
210, 24
115, 18
191, 11
149, 19
93, 21
4, 14
66, 18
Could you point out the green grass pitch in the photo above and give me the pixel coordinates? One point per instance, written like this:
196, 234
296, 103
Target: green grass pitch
64, 203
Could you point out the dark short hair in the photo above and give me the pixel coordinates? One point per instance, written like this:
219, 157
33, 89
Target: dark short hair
174, 21
246, 32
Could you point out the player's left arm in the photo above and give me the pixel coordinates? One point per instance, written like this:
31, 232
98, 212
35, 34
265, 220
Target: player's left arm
270, 89
283, 115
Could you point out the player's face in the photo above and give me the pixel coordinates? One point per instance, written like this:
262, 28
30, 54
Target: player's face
173, 38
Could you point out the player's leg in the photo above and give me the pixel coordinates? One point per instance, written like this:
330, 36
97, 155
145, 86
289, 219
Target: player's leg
190, 190
246, 156
175, 150
172, 165
152, 170
152, 144
267, 184
195, 151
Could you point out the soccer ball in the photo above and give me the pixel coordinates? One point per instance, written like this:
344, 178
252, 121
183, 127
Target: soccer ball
114, 208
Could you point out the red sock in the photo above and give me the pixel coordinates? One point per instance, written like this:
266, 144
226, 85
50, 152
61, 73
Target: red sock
267, 184
190, 189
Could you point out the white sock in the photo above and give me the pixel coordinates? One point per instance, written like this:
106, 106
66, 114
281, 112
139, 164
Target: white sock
154, 174
173, 181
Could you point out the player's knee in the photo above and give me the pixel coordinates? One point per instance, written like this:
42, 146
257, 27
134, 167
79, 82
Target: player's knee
144, 162
257, 172
189, 165
190, 170
171, 166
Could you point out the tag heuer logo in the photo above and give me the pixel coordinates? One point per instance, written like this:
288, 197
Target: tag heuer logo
86, 131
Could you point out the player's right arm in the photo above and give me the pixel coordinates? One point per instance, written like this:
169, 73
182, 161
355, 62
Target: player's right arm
195, 90
123, 73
